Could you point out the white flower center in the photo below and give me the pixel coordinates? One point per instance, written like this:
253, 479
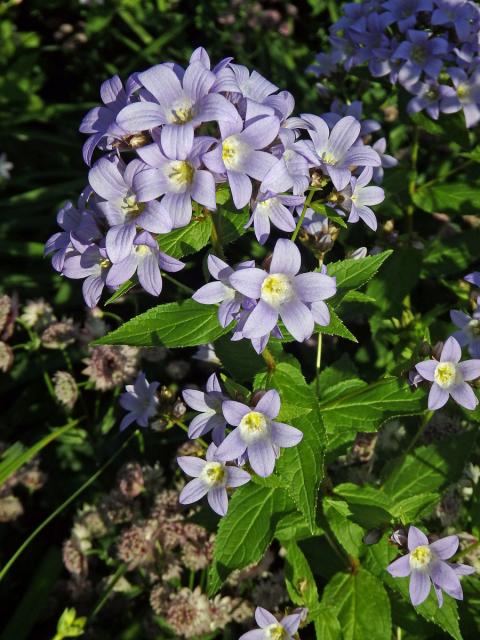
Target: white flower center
142, 249
420, 558
214, 474
181, 112
329, 158
277, 289
275, 632
447, 374
264, 206
474, 327
130, 207
179, 174
253, 427
234, 153
463, 91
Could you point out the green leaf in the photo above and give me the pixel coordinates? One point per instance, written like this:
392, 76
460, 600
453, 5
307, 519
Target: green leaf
415, 507
301, 585
177, 324
361, 605
429, 468
336, 327
189, 239
246, 531
239, 358
329, 213
299, 468
352, 274
125, 288
230, 224
293, 526
450, 255
369, 506
367, 407
348, 533
454, 198
327, 626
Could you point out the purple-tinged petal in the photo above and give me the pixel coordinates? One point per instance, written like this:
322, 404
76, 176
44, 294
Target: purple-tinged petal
149, 184
106, 180
320, 313
237, 477
179, 206
451, 351
281, 217
340, 177
292, 622
400, 568
462, 569
119, 241
154, 218
459, 319
197, 80
241, 188
121, 271
264, 618
193, 491
470, 369
213, 383
232, 447
445, 548
227, 312
262, 457
141, 116
261, 225
195, 399
218, 268
260, 321
190, 465
218, 500
437, 397
211, 293
203, 189
89, 147
149, 275
92, 290
256, 634
199, 425
259, 164
110, 89
127, 421
419, 587
261, 132
284, 435
445, 577
269, 404
416, 538
427, 369
439, 594
248, 281
311, 287
343, 135
234, 411
217, 107
286, 258
298, 319
162, 82
463, 395
177, 141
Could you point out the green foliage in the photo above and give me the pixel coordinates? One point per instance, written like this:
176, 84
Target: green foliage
175, 324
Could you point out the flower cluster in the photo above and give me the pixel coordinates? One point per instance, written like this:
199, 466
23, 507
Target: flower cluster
257, 298
256, 437
426, 565
165, 117
429, 47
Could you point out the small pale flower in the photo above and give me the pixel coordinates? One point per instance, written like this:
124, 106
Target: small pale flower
426, 565
222, 291
271, 629
140, 401
211, 478
272, 208
209, 404
297, 299
449, 377
469, 334
257, 433
359, 195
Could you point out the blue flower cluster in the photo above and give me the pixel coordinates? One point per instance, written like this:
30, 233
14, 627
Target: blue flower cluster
430, 47
171, 136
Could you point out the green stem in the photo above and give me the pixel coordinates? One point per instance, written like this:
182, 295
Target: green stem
64, 504
302, 217
270, 362
215, 238
420, 432
179, 284
111, 585
318, 363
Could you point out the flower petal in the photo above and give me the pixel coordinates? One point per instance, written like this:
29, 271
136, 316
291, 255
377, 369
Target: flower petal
445, 577
264, 618
232, 447
463, 395
298, 319
262, 457
191, 465
193, 491
419, 587
286, 258
451, 351
400, 568
445, 548
470, 369
284, 435
248, 281
416, 538
234, 411
260, 321
237, 477
311, 287
218, 500
269, 404
437, 397
427, 369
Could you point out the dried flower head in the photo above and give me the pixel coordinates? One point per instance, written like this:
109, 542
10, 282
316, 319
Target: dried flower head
110, 366
59, 334
6, 357
37, 314
66, 390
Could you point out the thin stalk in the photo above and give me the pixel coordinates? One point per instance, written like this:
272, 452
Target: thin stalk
318, 363
111, 585
302, 216
216, 239
179, 284
412, 183
63, 506
418, 435
270, 362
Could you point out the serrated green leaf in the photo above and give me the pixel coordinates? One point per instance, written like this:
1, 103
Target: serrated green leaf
301, 584
453, 198
177, 324
361, 604
187, 240
336, 327
428, 469
329, 213
246, 531
348, 533
352, 274
327, 626
125, 288
239, 358
412, 508
369, 507
367, 407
